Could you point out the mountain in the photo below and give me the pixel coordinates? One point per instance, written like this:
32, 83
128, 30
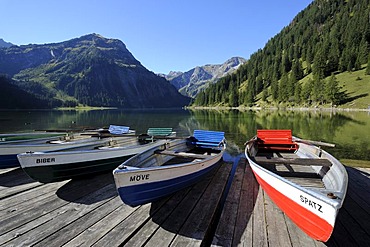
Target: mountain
5, 44
191, 82
90, 70
13, 97
302, 64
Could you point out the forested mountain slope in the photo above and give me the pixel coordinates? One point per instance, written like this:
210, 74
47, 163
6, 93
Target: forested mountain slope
302, 64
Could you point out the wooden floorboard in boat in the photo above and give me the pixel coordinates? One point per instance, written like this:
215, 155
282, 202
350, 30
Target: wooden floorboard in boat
88, 212
301, 175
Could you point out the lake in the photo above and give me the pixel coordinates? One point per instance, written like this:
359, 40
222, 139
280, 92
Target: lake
350, 131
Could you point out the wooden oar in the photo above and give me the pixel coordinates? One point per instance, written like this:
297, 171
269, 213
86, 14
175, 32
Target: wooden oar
318, 143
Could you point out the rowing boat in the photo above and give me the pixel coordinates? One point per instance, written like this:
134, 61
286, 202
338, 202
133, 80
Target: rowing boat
307, 183
170, 167
10, 149
99, 157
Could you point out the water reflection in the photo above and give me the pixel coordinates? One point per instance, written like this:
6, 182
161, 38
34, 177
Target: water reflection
350, 131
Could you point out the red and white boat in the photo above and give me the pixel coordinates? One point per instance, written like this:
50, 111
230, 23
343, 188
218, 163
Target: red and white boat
308, 184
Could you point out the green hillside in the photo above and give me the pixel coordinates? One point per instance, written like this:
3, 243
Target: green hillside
90, 70
319, 59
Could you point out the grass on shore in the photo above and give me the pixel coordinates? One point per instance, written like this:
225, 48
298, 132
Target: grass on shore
356, 163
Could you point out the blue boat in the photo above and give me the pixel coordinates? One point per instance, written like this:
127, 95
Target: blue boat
170, 167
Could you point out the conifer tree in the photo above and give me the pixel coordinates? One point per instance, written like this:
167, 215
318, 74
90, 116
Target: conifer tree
332, 90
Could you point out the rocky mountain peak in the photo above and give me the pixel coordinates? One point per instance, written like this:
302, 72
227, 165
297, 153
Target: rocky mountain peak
5, 44
191, 82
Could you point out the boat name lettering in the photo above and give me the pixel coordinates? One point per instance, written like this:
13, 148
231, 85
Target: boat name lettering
45, 160
311, 203
139, 177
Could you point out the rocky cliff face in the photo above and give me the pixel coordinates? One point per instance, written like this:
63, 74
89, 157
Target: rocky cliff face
89, 70
193, 81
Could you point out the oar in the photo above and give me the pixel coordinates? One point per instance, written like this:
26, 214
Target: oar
318, 143
66, 130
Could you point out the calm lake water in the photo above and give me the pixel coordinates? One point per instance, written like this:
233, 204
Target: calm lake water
350, 131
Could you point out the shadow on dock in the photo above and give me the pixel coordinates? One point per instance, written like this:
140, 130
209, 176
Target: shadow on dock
353, 226
76, 189
14, 177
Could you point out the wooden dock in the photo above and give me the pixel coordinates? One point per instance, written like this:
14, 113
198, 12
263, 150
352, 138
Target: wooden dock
88, 212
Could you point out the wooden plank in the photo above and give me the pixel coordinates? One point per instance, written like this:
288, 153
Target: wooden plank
307, 182
182, 154
27, 200
293, 161
97, 231
173, 223
82, 222
53, 221
226, 226
123, 231
71, 192
193, 232
348, 220
260, 237
243, 233
155, 225
277, 230
7, 192
15, 181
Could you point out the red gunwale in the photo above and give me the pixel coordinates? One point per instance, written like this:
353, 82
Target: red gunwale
310, 223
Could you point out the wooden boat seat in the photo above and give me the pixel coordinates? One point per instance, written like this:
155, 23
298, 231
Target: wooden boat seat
276, 140
118, 130
292, 161
153, 133
159, 131
182, 154
207, 138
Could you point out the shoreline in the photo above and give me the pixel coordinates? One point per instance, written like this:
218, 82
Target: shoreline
258, 108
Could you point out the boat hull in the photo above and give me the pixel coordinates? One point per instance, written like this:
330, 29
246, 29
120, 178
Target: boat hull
8, 153
143, 193
154, 174
317, 222
49, 167
55, 173
311, 209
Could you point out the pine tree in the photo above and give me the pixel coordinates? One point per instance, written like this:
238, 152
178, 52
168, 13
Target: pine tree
283, 89
275, 90
367, 72
307, 91
332, 91
298, 93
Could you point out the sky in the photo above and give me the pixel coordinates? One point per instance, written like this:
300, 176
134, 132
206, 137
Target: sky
164, 35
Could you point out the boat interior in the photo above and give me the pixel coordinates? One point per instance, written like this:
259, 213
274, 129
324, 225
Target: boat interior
305, 165
277, 153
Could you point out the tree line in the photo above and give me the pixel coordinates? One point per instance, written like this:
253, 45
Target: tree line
326, 38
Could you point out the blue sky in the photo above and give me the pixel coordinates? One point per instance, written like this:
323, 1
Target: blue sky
163, 35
